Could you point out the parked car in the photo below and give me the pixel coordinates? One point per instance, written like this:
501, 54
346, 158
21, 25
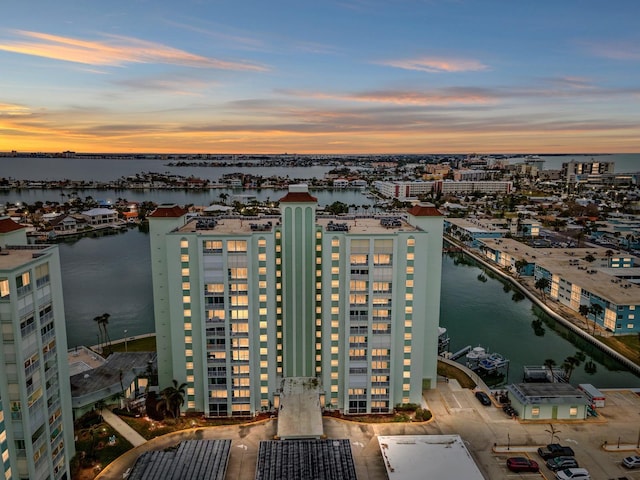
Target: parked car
560, 463
573, 474
555, 450
522, 464
632, 462
483, 398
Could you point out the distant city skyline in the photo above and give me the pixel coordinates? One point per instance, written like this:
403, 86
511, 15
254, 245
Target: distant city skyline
343, 76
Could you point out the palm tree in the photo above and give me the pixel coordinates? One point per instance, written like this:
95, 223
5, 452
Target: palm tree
103, 321
569, 365
520, 264
584, 311
552, 430
97, 320
596, 310
172, 398
550, 363
542, 284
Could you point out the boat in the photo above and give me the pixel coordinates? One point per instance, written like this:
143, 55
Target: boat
475, 356
492, 362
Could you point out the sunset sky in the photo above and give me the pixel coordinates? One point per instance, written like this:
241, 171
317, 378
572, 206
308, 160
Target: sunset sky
324, 76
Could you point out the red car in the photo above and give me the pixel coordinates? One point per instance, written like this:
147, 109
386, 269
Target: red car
522, 464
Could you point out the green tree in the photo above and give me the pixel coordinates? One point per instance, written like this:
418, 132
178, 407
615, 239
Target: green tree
172, 398
520, 264
542, 284
550, 363
596, 310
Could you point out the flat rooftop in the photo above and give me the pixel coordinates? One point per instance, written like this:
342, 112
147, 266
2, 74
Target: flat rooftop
418, 457
192, 459
12, 258
570, 264
305, 460
351, 224
547, 393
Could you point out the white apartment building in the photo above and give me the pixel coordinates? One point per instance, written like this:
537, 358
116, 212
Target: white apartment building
36, 425
241, 304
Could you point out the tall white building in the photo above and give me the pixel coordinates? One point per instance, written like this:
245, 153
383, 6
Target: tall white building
241, 304
36, 424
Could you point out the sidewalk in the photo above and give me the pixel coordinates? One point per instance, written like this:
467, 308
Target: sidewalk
133, 437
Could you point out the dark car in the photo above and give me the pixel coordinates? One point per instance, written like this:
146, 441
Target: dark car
560, 463
483, 398
555, 450
522, 464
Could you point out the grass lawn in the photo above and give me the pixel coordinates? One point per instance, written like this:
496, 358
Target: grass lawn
147, 344
627, 345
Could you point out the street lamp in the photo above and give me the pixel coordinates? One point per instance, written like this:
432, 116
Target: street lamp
125, 340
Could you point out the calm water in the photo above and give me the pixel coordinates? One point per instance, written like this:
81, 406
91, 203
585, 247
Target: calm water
112, 274
483, 313
103, 170
182, 197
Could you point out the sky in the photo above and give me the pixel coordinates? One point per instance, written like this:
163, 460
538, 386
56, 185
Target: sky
322, 76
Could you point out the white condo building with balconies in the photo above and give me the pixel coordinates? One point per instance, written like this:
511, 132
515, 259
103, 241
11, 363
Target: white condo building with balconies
241, 304
36, 424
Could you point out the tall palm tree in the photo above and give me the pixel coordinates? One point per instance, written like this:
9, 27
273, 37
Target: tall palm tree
103, 321
550, 363
596, 310
542, 284
98, 320
173, 398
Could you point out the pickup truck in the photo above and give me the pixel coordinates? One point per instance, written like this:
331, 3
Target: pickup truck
555, 450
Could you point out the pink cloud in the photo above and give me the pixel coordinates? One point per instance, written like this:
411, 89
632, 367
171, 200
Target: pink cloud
113, 51
437, 65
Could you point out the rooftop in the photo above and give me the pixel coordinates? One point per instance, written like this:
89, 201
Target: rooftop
247, 225
416, 457
13, 257
570, 264
191, 459
305, 460
547, 393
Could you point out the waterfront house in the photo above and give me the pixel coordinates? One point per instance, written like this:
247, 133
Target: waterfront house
100, 216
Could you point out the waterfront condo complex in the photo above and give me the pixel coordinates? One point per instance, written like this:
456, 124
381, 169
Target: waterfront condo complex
245, 303
36, 425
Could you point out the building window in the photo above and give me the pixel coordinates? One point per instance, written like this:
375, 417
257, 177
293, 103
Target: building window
535, 411
573, 411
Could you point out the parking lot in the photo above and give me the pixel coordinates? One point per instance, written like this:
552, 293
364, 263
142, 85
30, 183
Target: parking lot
491, 437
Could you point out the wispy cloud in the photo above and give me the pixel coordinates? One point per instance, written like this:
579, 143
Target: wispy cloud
626, 51
446, 96
114, 50
12, 110
436, 64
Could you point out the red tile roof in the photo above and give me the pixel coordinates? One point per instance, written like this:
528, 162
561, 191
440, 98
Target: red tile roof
299, 197
169, 211
424, 211
7, 225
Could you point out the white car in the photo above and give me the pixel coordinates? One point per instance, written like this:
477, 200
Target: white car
573, 474
632, 462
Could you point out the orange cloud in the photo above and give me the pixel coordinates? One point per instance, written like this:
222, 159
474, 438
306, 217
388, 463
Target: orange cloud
406, 97
113, 51
437, 65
